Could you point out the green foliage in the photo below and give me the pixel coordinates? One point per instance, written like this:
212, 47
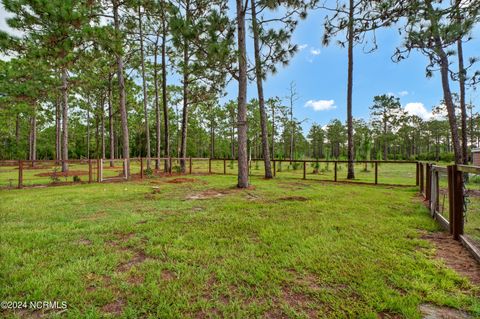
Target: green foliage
148, 172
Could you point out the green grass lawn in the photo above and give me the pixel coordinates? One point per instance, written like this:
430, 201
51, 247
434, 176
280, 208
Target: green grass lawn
285, 248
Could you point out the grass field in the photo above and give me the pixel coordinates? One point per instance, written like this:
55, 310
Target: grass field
201, 248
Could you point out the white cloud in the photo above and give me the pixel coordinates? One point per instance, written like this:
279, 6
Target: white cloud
402, 93
302, 47
314, 51
321, 105
418, 109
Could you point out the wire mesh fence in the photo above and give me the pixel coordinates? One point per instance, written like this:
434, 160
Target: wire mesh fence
453, 196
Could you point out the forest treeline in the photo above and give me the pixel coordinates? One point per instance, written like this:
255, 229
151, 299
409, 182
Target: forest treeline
119, 79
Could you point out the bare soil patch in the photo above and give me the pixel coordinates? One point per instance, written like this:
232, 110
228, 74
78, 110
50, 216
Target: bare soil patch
430, 311
454, 255
207, 194
115, 308
85, 242
294, 198
136, 280
168, 275
182, 180
138, 258
62, 174
388, 315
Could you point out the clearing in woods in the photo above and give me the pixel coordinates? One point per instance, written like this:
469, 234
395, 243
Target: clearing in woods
193, 247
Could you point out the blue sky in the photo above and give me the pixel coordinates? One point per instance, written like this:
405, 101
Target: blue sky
320, 74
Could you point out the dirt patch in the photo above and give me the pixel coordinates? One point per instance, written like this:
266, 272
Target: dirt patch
96, 280
168, 275
136, 280
299, 301
293, 198
85, 242
115, 308
62, 174
182, 180
430, 311
137, 259
207, 194
454, 255
388, 315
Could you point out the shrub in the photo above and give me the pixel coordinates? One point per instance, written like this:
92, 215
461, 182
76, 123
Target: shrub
76, 179
316, 167
54, 177
148, 172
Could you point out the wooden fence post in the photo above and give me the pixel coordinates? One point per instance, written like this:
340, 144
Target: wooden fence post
450, 170
190, 166
99, 171
224, 167
274, 168
90, 178
428, 185
20, 174
416, 174
304, 170
376, 173
457, 203
209, 166
335, 168
141, 168
437, 191
170, 166
422, 179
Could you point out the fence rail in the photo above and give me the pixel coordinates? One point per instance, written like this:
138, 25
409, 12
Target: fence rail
25, 173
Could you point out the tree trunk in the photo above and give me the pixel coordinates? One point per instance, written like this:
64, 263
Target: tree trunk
273, 131
58, 131
144, 85
166, 134
261, 99
102, 126
65, 120
212, 132
447, 96
88, 133
110, 121
462, 75
242, 98
33, 138
350, 152
385, 145
183, 143
121, 88
157, 107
